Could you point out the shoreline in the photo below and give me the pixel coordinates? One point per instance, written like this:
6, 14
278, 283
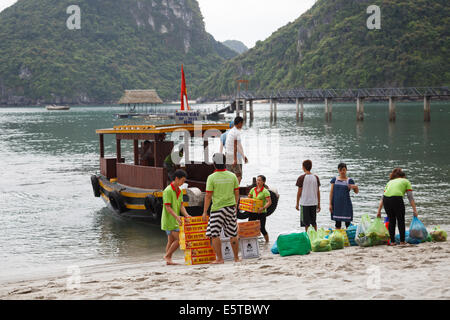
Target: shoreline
382, 272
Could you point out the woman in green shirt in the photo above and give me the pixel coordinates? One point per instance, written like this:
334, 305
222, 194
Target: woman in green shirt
261, 193
393, 204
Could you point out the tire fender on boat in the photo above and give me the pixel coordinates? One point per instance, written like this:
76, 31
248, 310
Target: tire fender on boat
153, 205
274, 196
95, 186
117, 201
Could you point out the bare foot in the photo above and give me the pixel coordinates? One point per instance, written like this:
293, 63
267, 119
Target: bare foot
237, 260
218, 262
169, 261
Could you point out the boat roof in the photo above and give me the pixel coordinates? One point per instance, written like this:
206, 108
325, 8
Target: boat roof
168, 128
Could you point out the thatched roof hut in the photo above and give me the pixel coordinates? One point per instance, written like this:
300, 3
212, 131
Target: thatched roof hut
140, 97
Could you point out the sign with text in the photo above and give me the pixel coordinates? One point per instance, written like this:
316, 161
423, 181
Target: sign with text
187, 116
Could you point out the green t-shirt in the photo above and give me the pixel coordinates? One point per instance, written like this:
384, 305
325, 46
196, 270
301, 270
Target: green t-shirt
260, 195
222, 185
397, 187
170, 197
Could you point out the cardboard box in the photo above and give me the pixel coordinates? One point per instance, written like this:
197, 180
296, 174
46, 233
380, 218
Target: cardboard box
194, 220
194, 236
249, 229
200, 252
194, 228
250, 204
195, 244
249, 248
199, 260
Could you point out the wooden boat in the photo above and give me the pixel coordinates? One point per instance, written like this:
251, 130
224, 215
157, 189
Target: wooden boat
57, 108
135, 189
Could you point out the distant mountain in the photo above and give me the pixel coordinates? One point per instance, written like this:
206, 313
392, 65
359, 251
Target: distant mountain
122, 44
236, 45
330, 46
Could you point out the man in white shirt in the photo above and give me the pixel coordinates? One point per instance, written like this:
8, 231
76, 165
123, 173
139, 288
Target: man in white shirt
233, 148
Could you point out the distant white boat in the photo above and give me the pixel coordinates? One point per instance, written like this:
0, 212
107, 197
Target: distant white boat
54, 107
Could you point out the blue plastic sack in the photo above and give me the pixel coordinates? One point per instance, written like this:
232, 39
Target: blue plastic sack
408, 239
275, 248
351, 234
417, 230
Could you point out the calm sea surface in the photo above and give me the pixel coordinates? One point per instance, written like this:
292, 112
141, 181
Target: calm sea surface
50, 219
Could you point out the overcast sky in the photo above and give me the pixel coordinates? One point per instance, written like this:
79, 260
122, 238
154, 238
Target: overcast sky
244, 20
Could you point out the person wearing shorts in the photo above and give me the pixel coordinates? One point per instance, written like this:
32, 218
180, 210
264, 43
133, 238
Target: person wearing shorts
308, 196
222, 189
170, 218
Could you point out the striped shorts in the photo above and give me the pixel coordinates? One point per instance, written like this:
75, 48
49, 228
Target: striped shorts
224, 218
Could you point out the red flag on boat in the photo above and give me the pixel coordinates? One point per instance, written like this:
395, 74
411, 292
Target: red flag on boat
183, 91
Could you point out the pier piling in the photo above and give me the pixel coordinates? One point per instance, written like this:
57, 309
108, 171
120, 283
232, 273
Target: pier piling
427, 109
328, 109
245, 110
251, 110
275, 111
360, 109
271, 110
392, 109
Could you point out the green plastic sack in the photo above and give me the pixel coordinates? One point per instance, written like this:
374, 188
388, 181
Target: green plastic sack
377, 233
318, 241
438, 234
293, 244
361, 237
337, 240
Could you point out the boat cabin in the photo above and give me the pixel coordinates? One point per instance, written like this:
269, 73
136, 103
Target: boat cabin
149, 172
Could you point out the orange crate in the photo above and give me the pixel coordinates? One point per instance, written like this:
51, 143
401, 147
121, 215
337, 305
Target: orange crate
199, 260
200, 252
194, 228
194, 220
250, 204
194, 244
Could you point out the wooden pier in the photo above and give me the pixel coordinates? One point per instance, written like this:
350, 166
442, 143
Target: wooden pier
328, 96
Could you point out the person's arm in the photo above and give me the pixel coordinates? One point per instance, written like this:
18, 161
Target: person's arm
380, 206
318, 200
236, 196
299, 194
268, 204
235, 152
206, 204
170, 210
331, 197
412, 202
184, 212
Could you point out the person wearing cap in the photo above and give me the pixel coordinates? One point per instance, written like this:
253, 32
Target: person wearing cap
233, 148
222, 188
341, 207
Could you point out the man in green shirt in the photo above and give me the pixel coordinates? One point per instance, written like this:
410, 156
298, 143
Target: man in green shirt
170, 218
222, 188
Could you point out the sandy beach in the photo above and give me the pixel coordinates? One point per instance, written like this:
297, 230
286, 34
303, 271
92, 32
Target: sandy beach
382, 272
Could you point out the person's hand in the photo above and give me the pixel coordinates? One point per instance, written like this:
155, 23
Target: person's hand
246, 160
416, 214
379, 215
296, 207
234, 162
179, 220
260, 210
204, 216
318, 208
331, 208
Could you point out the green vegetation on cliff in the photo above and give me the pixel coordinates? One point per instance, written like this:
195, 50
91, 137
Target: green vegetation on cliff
330, 46
123, 44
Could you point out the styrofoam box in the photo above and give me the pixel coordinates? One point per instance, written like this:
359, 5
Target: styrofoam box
249, 248
227, 249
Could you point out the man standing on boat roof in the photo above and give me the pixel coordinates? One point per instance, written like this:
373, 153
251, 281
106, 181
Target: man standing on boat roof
234, 147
